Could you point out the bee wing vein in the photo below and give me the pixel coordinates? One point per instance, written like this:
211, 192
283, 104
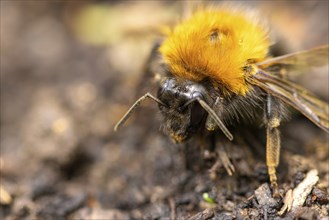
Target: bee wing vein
302, 100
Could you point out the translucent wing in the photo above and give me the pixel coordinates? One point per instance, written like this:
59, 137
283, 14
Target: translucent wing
309, 58
310, 106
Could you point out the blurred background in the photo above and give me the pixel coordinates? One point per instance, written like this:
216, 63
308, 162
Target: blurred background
70, 70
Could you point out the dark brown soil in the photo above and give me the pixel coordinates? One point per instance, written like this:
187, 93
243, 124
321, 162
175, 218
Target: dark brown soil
63, 92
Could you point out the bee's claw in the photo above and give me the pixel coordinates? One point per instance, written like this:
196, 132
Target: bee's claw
275, 190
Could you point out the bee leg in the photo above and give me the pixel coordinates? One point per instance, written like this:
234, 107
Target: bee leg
222, 158
192, 157
273, 119
229, 167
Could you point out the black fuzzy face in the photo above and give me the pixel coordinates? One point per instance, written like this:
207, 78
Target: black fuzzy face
182, 116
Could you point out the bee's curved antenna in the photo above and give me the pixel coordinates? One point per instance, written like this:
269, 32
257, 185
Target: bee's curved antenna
215, 117
134, 106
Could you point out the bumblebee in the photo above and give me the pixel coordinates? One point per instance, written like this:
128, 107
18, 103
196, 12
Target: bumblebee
216, 67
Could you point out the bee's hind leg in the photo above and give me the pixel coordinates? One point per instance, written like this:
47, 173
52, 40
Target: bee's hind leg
273, 117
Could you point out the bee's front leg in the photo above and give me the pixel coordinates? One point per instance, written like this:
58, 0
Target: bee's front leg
273, 117
218, 145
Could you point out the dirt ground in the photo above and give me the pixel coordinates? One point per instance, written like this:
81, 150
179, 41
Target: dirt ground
70, 70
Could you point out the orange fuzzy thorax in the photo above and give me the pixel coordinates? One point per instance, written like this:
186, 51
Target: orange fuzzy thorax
216, 44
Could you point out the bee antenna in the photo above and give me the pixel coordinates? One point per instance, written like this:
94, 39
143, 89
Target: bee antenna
134, 106
215, 117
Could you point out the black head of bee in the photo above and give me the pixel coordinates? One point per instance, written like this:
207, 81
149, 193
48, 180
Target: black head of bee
182, 115
185, 106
